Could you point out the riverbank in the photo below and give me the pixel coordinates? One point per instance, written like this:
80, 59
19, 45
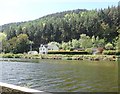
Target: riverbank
63, 57
11, 91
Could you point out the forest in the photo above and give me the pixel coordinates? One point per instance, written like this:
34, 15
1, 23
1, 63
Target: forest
71, 29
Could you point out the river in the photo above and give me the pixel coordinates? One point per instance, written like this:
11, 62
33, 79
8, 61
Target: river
62, 75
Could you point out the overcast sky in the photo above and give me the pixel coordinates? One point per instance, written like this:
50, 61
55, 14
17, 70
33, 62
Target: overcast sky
24, 10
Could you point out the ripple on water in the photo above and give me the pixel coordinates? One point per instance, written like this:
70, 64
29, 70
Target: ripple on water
62, 76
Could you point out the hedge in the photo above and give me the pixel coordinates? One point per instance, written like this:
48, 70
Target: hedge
111, 52
68, 52
9, 55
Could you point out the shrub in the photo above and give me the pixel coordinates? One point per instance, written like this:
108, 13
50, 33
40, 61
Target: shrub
118, 52
18, 55
9, 55
89, 50
110, 52
109, 46
68, 52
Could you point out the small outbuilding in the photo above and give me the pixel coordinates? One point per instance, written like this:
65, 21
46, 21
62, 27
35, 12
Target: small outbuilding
33, 52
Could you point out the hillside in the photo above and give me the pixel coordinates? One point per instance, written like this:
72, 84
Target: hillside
55, 15
68, 25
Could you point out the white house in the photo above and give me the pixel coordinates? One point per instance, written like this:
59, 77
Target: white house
45, 48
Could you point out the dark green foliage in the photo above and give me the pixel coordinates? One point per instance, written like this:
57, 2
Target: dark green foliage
17, 44
68, 52
68, 25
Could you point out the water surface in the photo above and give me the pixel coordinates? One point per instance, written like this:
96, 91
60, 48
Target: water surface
62, 75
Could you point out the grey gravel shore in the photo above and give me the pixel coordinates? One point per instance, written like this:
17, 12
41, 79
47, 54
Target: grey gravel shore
5, 90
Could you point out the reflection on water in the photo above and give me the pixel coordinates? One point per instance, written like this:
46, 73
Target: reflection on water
58, 75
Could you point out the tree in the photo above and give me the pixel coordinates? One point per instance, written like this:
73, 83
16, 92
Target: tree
93, 39
11, 45
2, 36
5, 46
98, 42
18, 44
85, 41
75, 43
22, 43
65, 46
118, 43
2, 41
31, 43
101, 43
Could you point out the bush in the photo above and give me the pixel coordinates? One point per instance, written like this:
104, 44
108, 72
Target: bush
111, 52
89, 50
68, 52
9, 55
18, 55
109, 46
118, 52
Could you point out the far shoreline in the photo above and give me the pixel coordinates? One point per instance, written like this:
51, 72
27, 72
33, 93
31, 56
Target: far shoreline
99, 57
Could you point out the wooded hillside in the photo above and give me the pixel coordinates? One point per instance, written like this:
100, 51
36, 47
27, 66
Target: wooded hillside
65, 26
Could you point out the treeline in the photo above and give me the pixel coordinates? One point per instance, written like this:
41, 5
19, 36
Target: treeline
66, 26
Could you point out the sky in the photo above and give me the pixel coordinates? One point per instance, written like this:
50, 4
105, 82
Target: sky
25, 10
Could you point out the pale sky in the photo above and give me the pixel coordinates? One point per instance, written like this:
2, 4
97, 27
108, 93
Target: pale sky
24, 10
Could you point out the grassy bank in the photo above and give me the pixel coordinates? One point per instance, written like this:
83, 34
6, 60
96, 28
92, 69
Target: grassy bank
63, 57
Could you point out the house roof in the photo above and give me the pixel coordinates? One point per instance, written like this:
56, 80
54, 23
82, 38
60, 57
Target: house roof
49, 46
